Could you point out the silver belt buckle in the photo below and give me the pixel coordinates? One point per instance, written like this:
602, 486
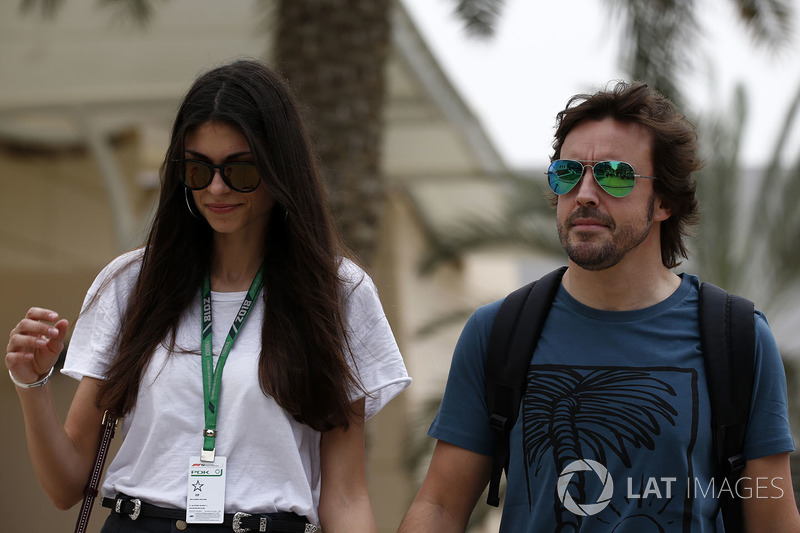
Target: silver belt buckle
237, 523
137, 507
263, 525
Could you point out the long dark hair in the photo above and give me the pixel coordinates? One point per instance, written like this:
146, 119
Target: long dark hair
304, 354
675, 151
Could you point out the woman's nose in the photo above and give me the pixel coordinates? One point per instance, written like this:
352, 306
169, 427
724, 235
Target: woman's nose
217, 183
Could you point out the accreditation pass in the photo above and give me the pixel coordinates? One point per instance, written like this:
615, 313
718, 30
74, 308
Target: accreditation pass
205, 494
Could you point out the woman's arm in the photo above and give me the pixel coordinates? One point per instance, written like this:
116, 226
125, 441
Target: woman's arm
344, 504
62, 455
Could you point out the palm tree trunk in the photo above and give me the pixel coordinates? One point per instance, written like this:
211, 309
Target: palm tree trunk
334, 53
566, 448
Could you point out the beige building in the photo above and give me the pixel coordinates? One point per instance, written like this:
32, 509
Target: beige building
85, 109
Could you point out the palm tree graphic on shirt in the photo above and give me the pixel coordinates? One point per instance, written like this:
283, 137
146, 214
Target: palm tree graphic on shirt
590, 412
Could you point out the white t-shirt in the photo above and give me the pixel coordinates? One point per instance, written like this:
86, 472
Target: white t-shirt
273, 461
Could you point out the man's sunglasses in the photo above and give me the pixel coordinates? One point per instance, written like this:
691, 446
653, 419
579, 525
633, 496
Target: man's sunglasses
615, 177
240, 176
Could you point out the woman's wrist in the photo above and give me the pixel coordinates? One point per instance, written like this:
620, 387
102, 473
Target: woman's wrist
40, 383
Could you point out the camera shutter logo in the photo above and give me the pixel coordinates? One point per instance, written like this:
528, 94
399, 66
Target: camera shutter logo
585, 509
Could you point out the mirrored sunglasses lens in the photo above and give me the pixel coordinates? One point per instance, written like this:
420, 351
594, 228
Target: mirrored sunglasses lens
563, 174
243, 177
615, 177
196, 175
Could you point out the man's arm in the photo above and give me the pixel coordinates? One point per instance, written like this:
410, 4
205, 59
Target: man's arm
768, 503
455, 480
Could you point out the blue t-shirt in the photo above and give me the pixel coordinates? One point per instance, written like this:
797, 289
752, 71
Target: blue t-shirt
614, 430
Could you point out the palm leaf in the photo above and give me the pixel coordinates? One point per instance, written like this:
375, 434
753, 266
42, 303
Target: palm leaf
718, 188
769, 22
654, 41
138, 12
479, 16
526, 223
48, 9
599, 395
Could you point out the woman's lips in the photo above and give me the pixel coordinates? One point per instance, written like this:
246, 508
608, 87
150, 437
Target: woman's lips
221, 209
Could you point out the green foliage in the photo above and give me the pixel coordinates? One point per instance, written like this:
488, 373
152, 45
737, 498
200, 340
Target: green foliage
750, 226
527, 222
659, 38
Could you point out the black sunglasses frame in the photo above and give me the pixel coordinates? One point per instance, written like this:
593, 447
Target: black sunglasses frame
212, 168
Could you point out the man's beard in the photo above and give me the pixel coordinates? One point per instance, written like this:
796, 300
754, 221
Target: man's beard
600, 256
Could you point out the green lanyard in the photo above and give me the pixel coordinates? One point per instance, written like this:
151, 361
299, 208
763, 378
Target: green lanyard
212, 377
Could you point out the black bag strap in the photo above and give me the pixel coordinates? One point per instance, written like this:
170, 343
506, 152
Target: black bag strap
727, 333
515, 332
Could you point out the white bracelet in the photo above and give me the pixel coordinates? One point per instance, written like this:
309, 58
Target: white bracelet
41, 383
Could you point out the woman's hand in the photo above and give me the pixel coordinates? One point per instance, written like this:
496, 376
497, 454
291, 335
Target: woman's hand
62, 455
35, 344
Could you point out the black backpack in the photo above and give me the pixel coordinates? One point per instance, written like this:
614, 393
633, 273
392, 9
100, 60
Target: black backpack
727, 332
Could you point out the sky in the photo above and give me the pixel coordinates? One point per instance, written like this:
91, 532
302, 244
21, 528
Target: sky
543, 52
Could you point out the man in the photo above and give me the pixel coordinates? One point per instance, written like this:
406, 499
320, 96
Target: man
614, 431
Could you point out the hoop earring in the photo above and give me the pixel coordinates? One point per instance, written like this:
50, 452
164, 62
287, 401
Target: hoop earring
188, 204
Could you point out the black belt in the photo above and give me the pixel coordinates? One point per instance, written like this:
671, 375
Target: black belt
239, 522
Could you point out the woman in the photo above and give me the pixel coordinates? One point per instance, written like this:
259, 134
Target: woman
306, 359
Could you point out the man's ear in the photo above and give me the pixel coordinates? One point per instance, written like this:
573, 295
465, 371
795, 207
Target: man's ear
661, 210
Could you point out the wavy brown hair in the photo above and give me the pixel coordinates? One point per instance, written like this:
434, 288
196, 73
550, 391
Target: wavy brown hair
675, 151
304, 353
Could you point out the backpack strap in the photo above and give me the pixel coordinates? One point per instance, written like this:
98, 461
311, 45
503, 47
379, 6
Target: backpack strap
727, 333
514, 336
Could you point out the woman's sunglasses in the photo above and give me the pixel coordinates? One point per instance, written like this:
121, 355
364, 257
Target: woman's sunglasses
615, 177
240, 176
